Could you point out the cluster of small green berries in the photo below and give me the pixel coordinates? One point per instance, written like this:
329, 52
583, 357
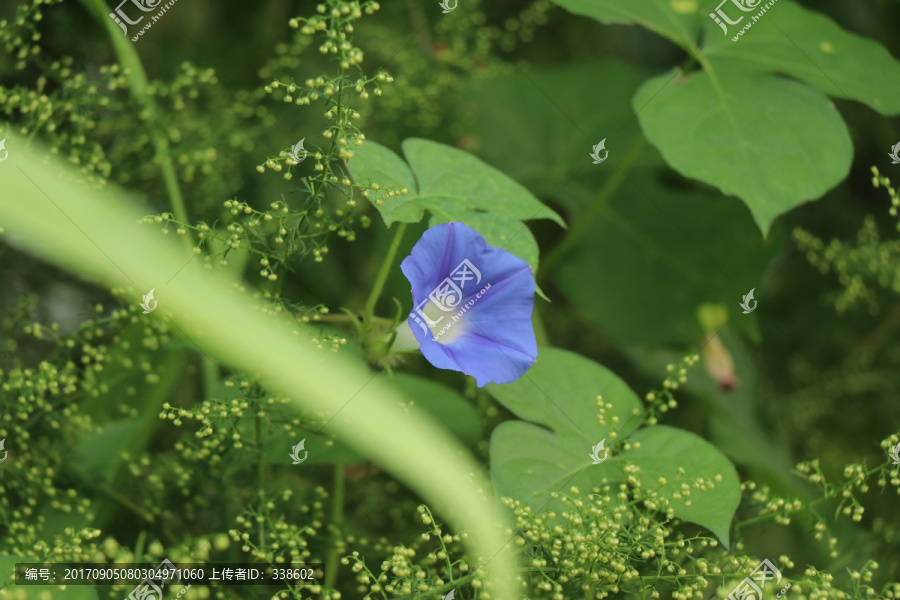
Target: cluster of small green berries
303, 314
20, 37
334, 24
195, 143
91, 360
285, 232
522, 26
335, 341
202, 150
336, 18
79, 115
890, 471
880, 181
870, 262
285, 538
59, 104
857, 478
377, 195
769, 506
661, 401
40, 403
288, 232
463, 44
613, 422
593, 547
402, 573
606, 545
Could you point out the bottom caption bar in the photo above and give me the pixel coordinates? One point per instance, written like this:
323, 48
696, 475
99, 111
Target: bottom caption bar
150, 576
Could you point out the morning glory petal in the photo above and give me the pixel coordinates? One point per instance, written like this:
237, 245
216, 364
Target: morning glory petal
472, 305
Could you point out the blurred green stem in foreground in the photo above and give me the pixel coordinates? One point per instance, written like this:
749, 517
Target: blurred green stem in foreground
336, 525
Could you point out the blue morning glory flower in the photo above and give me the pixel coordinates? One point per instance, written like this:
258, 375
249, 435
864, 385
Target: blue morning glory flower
472, 305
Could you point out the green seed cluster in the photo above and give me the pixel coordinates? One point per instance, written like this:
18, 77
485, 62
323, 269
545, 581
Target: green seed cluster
275, 236
208, 154
450, 50
81, 112
861, 268
327, 203
426, 564
271, 530
661, 401
61, 105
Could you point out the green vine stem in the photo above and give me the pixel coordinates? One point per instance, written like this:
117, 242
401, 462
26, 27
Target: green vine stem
586, 219
333, 555
260, 475
386, 267
140, 89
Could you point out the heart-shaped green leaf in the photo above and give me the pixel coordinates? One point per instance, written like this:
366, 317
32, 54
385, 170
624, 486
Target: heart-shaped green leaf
559, 396
678, 20
662, 450
453, 186
796, 41
773, 143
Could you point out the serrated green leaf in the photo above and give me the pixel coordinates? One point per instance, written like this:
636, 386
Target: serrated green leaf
678, 20
453, 185
531, 460
655, 253
773, 143
789, 39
